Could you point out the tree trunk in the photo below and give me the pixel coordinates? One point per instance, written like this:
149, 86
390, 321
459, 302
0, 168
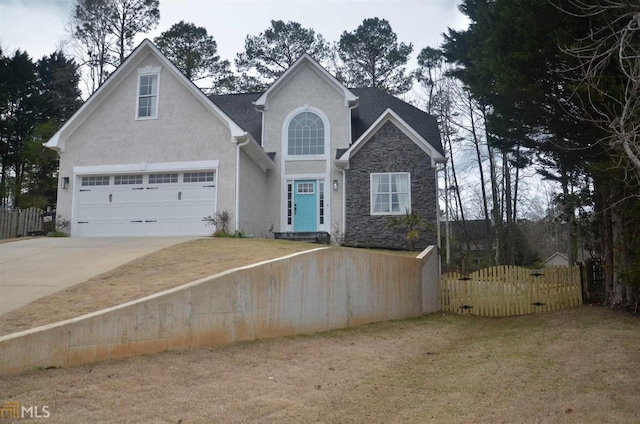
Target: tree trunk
483, 182
568, 215
495, 212
476, 145
3, 184
510, 233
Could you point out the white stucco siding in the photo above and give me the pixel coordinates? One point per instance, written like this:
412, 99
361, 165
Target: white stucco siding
307, 87
184, 131
258, 209
305, 167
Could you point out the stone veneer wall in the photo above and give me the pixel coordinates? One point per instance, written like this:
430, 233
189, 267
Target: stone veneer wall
388, 150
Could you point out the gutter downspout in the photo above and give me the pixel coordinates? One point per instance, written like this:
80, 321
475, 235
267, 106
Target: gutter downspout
238, 146
438, 231
344, 203
342, 170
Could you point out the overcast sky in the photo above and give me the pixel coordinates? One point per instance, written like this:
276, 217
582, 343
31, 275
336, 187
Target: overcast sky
38, 26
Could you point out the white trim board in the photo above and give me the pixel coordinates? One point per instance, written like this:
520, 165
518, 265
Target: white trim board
146, 167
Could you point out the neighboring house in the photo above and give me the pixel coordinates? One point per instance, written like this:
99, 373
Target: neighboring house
471, 240
562, 259
557, 259
150, 154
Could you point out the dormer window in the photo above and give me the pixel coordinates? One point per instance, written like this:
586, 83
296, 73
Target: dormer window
147, 100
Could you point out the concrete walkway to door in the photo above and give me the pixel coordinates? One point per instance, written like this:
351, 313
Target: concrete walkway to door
34, 268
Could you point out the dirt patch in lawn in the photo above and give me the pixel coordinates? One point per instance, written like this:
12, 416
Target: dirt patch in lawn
162, 270
576, 366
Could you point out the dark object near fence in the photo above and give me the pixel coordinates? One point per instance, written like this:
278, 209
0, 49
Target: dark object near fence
48, 220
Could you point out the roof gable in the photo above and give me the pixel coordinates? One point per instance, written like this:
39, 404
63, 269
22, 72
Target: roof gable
557, 255
350, 99
57, 141
372, 104
390, 115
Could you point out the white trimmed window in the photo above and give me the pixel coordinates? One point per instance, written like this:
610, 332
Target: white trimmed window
305, 135
321, 202
198, 177
390, 193
163, 178
95, 181
306, 188
147, 97
127, 179
289, 203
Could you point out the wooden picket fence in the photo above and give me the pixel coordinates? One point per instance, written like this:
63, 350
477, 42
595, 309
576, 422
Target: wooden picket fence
503, 291
19, 222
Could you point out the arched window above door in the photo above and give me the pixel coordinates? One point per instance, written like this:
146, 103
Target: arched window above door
305, 135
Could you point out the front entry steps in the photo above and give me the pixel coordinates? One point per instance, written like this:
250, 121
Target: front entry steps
321, 237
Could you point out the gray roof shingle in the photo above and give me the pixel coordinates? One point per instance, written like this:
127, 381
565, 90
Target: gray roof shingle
372, 103
240, 108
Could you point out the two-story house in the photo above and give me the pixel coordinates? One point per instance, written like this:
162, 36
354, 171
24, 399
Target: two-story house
150, 154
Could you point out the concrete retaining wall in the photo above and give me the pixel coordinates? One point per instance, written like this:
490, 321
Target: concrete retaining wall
317, 290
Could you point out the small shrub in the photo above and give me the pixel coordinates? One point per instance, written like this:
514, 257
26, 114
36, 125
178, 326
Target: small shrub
61, 228
413, 225
337, 235
220, 220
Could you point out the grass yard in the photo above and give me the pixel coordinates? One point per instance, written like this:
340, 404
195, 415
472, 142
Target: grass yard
576, 366
162, 270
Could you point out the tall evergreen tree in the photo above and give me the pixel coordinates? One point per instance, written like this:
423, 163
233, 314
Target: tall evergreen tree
513, 57
195, 53
373, 57
59, 79
20, 114
273, 51
129, 18
36, 99
4, 142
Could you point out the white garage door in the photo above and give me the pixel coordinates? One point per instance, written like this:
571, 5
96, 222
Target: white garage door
153, 204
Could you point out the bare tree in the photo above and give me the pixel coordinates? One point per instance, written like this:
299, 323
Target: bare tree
103, 31
90, 30
127, 18
609, 64
464, 137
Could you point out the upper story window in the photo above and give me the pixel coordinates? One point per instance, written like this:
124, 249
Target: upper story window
147, 100
390, 194
305, 135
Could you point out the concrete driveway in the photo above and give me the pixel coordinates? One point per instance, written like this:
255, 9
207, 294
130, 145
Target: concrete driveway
34, 268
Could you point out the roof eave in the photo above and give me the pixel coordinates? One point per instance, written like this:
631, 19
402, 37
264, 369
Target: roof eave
250, 145
390, 115
57, 141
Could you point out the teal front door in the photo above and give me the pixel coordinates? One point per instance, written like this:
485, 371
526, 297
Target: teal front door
305, 205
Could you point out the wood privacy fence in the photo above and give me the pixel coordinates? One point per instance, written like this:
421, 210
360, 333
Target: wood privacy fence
19, 222
508, 290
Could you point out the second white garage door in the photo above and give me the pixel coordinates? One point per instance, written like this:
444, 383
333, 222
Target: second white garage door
153, 204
